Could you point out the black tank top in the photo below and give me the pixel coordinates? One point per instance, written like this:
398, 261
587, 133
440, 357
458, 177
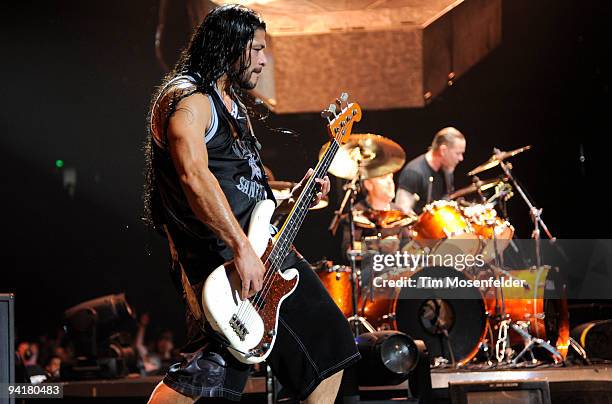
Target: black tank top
234, 161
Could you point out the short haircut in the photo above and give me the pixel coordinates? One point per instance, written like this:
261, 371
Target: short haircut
446, 136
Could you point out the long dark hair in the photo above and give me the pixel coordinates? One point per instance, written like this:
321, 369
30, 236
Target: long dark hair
218, 44
217, 47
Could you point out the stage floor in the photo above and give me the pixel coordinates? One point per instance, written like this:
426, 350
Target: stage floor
566, 383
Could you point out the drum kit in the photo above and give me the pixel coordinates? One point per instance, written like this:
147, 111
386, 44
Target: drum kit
496, 324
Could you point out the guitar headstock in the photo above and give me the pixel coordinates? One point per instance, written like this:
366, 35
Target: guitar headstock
340, 124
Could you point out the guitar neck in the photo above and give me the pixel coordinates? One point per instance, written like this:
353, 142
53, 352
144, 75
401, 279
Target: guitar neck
294, 220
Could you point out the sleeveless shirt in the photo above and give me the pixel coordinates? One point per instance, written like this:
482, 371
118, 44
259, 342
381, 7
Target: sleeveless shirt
233, 159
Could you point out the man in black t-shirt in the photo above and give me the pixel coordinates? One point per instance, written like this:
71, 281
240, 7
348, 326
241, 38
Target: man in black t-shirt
429, 177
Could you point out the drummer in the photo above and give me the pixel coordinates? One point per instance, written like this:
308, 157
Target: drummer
379, 194
429, 177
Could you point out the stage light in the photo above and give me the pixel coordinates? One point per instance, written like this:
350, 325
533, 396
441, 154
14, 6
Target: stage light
94, 328
59, 163
387, 358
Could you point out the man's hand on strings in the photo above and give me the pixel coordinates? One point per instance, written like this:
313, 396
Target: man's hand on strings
323, 187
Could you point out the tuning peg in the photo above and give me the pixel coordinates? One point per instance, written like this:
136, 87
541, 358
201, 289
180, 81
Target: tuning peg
332, 108
342, 100
327, 114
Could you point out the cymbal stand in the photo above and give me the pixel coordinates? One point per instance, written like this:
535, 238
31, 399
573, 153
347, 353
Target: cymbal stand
500, 310
349, 198
533, 210
530, 341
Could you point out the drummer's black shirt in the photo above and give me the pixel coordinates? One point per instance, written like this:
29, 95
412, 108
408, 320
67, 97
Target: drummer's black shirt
414, 178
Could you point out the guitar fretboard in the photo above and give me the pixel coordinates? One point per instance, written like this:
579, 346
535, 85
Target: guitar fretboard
296, 217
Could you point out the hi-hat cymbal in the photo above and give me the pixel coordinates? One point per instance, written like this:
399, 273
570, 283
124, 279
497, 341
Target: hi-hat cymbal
366, 155
484, 185
496, 158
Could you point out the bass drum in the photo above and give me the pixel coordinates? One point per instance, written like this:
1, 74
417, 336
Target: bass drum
541, 303
451, 321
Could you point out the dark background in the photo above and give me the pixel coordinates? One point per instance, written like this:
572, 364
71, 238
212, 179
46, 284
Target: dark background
77, 78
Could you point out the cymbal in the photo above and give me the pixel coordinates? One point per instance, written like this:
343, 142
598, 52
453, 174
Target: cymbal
484, 185
496, 158
382, 219
282, 191
366, 155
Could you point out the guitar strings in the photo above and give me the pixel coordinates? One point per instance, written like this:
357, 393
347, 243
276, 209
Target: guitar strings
280, 250
285, 244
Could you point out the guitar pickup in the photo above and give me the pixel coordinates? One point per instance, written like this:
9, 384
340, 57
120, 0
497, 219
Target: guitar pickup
238, 327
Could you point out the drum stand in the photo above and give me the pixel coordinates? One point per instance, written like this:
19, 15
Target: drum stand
500, 311
354, 320
530, 341
534, 212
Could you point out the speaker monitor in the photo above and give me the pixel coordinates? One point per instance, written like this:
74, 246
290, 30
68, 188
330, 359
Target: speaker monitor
7, 341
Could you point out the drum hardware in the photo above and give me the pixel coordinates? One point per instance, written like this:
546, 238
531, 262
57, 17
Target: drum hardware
580, 350
350, 189
535, 213
503, 192
531, 342
364, 156
349, 199
531, 313
481, 186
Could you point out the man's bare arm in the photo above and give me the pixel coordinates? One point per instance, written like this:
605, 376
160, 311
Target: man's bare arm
186, 141
405, 200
